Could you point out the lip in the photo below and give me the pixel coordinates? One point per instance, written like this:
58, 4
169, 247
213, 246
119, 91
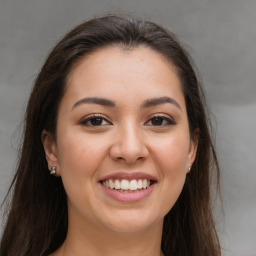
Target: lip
128, 176
129, 197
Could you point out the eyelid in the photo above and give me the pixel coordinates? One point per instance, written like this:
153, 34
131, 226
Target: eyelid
89, 117
166, 117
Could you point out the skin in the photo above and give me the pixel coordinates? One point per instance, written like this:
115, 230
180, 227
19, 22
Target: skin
127, 138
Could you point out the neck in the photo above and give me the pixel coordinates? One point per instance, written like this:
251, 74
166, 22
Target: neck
90, 240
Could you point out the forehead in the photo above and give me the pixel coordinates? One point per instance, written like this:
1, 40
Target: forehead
107, 57
118, 72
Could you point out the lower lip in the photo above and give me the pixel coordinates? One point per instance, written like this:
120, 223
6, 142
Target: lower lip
128, 196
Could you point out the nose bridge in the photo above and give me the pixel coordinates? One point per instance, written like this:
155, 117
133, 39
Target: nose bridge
129, 143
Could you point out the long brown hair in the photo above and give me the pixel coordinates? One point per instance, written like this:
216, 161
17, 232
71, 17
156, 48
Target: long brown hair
37, 215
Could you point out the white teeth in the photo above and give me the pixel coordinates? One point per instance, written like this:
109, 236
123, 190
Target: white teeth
111, 184
117, 184
144, 183
126, 185
139, 184
133, 185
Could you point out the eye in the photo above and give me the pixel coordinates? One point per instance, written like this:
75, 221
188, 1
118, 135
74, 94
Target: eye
95, 120
160, 121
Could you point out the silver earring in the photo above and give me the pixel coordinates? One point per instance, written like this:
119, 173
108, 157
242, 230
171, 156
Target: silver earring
189, 169
53, 170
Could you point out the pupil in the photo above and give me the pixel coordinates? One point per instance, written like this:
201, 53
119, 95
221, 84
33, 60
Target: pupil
96, 121
157, 121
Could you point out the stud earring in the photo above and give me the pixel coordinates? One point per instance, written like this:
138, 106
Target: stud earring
53, 170
189, 168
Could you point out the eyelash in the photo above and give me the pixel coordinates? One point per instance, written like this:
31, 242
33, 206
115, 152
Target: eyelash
89, 119
94, 117
168, 121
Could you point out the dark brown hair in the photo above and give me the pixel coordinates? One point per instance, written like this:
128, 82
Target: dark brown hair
37, 215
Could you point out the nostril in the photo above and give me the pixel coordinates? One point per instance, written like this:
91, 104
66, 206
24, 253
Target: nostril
129, 152
120, 158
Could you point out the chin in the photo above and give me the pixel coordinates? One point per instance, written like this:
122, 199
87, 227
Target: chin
132, 221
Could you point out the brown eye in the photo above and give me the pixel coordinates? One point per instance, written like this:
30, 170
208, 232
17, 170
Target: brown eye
157, 121
160, 121
95, 121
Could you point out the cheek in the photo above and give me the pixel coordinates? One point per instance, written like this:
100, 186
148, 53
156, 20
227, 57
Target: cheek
172, 156
79, 156
172, 153
173, 168
79, 159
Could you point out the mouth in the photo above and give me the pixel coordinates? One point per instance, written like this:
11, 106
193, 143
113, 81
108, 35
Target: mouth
126, 185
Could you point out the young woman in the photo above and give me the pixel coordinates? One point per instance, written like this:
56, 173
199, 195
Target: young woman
117, 157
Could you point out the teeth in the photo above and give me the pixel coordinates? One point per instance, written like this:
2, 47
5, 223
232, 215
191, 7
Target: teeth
144, 183
117, 184
133, 185
111, 184
139, 184
126, 185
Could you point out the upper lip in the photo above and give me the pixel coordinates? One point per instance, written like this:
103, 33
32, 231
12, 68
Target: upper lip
129, 176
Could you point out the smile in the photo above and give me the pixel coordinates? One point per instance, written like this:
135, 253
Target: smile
127, 186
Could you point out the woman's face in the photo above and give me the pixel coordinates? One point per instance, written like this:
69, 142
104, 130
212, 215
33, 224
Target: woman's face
123, 146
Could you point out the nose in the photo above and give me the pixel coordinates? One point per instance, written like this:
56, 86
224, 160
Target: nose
129, 145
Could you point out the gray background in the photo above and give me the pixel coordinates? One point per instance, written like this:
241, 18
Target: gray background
220, 35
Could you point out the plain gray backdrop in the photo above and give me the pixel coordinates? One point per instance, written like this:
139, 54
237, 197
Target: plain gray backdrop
219, 34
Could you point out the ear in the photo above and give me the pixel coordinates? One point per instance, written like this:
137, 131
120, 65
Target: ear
50, 149
193, 148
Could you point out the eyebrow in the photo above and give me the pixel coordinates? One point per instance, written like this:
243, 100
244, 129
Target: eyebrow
95, 100
161, 100
109, 103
